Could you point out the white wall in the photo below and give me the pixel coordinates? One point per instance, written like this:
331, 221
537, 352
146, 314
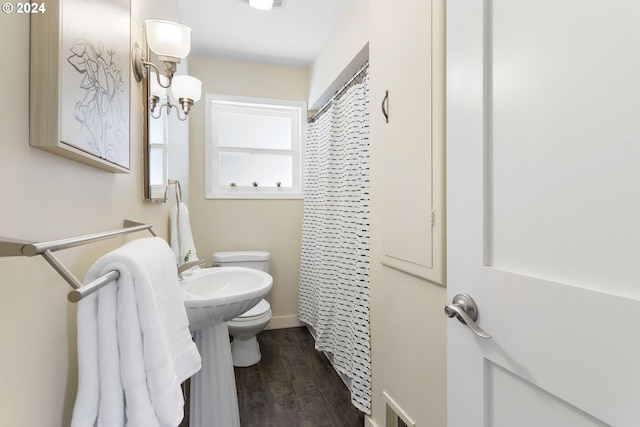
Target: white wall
408, 328
408, 346
228, 225
343, 54
46, 197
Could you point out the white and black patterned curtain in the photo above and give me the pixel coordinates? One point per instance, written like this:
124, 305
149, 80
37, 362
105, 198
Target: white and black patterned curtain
334, 270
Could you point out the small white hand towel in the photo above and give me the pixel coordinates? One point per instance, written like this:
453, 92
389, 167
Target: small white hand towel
180, 234
134, 345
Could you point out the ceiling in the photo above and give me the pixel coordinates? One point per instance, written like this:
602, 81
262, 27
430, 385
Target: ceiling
290, 36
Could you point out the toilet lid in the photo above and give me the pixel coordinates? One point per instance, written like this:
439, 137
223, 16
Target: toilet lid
261, 308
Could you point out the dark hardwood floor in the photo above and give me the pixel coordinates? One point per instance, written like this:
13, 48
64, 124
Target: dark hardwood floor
293, 386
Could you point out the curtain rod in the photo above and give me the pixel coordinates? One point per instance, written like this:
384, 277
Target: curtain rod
338, 93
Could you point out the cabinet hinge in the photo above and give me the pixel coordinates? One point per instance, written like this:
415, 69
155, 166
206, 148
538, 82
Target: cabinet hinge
433, 217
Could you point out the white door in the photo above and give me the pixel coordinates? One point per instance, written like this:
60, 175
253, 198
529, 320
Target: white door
543, 176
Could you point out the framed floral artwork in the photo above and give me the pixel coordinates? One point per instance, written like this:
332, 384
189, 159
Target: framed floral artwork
80, 81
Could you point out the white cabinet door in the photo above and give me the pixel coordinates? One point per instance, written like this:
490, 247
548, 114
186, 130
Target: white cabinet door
408, 64
543, 175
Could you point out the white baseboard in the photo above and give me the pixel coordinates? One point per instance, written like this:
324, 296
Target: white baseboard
283, 322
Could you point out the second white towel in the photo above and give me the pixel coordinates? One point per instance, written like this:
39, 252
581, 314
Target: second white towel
180, 234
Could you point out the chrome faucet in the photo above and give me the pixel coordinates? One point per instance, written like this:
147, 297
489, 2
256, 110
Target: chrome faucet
184, 267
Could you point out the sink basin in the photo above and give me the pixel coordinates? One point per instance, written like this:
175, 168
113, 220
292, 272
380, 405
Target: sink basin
217, 294
212, 296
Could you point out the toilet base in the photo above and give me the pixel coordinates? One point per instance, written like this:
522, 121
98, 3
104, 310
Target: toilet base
245, 352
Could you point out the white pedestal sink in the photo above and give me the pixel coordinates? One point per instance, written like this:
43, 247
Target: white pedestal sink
213, 296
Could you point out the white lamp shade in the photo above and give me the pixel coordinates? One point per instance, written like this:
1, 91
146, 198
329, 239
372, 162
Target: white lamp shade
261, 4
155, 88
168, 38
183, 86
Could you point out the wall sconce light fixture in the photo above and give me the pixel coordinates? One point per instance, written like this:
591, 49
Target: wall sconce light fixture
169, 41
265, 4
186, 89
261, 4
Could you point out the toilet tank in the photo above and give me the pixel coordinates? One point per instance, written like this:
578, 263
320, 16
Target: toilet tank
258, 260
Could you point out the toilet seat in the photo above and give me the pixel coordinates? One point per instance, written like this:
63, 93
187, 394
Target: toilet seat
259, 310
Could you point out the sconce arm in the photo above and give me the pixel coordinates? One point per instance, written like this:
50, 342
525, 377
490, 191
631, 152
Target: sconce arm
140, 65
157, 112
186, 103
169, 69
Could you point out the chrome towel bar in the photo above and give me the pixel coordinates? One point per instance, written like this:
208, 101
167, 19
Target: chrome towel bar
14, 247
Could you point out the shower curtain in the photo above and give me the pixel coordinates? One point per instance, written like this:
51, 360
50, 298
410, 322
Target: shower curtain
334, 271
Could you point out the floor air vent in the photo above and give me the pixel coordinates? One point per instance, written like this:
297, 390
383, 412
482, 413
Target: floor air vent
396, 417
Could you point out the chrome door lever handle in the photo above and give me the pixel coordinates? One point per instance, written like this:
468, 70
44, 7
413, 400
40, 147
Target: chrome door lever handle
465, 309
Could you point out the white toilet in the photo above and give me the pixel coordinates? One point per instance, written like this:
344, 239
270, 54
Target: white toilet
245, 350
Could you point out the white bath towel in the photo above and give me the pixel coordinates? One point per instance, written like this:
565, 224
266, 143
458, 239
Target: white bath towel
134, 345
180, 234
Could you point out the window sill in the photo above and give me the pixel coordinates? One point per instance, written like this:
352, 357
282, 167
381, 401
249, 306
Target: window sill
254, 193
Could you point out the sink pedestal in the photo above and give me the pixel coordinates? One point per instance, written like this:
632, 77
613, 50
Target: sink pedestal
211, 297
214, 402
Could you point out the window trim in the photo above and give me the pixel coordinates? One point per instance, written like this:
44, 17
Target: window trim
213, 190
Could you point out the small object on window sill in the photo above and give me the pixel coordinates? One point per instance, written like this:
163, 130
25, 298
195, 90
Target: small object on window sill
255, 183
233, 184
279, 184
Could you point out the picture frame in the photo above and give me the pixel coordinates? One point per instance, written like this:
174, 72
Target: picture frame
80, 81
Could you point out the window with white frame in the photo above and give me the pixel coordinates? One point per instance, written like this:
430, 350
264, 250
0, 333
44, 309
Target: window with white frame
253, 147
